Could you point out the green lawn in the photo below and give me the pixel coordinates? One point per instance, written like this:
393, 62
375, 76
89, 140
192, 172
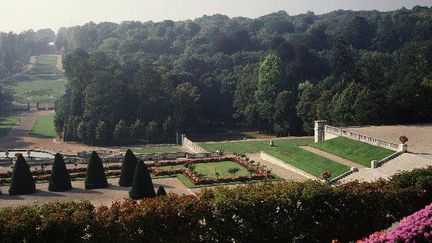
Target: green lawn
6, 123
44, 127
43, 83
171, 167
154, 150
286, 150
356, 151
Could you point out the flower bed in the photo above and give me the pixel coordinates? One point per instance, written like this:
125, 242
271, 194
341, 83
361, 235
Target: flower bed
414, 228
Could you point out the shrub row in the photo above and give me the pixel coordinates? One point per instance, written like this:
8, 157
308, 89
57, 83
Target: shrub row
280, 212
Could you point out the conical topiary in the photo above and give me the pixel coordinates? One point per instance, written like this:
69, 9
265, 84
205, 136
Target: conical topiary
128, 168
59, 180
22, 181
95, 177
142, 185
161, 191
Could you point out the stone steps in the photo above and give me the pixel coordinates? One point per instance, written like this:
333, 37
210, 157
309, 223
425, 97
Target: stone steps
404, 162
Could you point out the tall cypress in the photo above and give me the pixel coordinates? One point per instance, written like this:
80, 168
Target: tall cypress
95, 177
22, 181
128, 168
59, 180
142, 185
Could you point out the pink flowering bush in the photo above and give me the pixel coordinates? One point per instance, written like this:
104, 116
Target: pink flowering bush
414, 228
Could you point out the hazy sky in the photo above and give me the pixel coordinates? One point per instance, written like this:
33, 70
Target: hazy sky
18, 15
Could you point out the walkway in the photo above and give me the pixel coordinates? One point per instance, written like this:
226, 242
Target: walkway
333, 157
404, 162
277, 170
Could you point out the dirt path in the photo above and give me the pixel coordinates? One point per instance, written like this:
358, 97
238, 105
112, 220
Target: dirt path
97, 197
333, 157
277, 170
59, 63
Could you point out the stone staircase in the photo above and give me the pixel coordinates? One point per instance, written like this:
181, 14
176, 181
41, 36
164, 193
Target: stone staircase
404, 162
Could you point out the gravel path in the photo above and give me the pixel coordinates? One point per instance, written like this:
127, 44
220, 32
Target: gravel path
333, 157
98, 197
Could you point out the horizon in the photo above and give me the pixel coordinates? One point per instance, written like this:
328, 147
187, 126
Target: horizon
54, 15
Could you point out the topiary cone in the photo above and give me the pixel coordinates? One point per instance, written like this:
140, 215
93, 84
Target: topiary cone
95, 177
128, 169
22, 181
161, 191
59, 180
142, 185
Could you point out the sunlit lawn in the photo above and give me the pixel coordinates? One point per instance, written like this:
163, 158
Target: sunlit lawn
44, 127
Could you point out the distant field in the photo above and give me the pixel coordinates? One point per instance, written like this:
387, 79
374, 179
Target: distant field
6, 123
154, 150
44, 127
286, 150
43, 83
355, 151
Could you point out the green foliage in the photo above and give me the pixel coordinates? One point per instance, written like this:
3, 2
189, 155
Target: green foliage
263, 212
121, 131
22, 181
59, 180
142, 185
233, 170
6, 124
161, 192
95, 177
128, 169
101, 132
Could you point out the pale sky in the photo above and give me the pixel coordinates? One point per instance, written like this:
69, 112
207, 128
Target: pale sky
19, 15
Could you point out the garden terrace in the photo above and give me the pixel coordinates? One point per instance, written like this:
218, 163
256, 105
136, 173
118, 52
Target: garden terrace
355, 151
287, 150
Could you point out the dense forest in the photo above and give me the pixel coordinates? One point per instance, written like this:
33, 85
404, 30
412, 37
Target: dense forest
276, 73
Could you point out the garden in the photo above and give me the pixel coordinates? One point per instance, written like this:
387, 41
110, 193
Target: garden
287, 150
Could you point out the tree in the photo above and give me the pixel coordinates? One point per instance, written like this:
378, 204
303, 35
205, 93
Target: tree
233, 170
270, 78
128, 169
142, 185
284, 116
151, 131
95, 177
22, 181
161, 191
59, 180
185, 100
136, 129
121, 131
101, 132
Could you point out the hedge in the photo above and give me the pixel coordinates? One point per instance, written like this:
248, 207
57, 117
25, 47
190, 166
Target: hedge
279, 212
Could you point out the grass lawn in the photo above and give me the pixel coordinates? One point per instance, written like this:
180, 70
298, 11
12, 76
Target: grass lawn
154, 150
356, 151
6, 123
209, 170
44, 127
286, 150
43, 83
171, 167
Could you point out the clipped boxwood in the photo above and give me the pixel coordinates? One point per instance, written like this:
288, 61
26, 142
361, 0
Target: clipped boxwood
95, 177
59, 180
128, 168
142, 185
22, 181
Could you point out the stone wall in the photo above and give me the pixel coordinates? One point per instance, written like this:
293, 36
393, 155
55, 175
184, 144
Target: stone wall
191, 147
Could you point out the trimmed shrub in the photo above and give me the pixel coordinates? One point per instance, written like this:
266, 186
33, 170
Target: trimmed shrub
142, 185
128, 168
95, 177
22, 181
161, 191
59, 180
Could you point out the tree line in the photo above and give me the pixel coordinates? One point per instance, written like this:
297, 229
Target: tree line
276, 73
